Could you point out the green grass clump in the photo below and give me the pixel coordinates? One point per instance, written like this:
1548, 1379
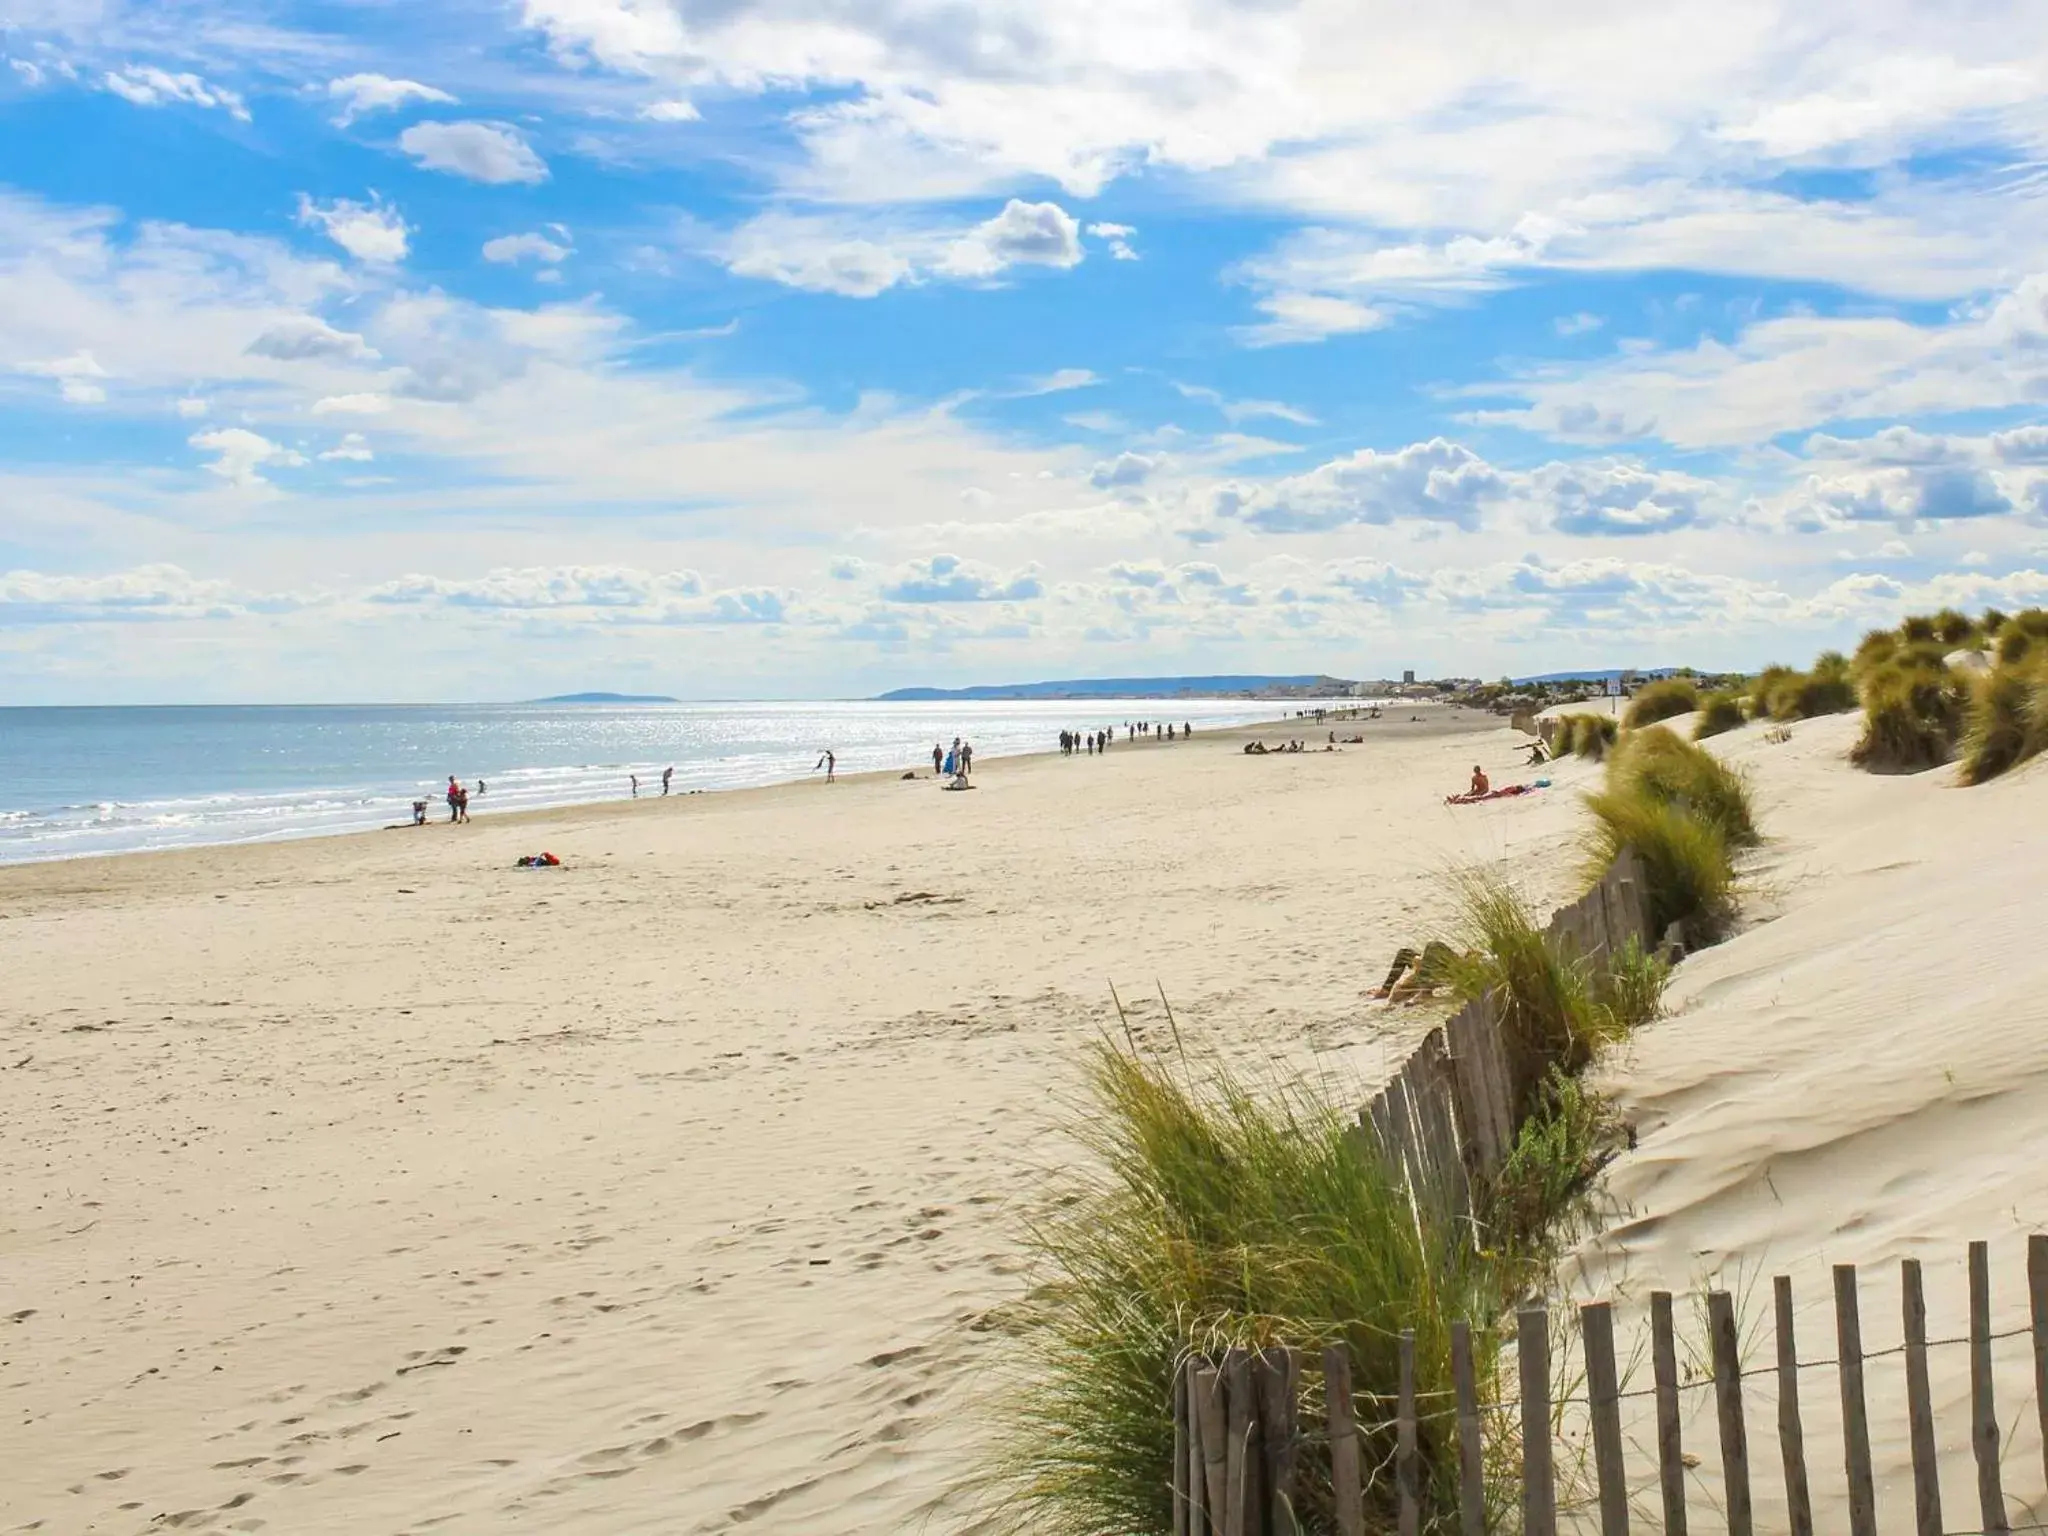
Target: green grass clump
2006, 719
1222, 1214
1918, 629
1661, 700
2022, 635
1912, 718
1559, 1151
1586, 734
1687, 863
1657, 764
1952, 628
1719, 712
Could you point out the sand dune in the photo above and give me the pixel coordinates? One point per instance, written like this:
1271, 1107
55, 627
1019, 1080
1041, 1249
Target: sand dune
370, 1184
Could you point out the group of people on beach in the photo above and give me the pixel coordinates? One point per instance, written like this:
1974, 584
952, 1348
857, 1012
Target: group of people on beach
633, 779
955, 763
457, 798
1074, 743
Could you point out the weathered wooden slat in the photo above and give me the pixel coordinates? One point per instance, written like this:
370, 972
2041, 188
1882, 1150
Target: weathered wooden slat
1727, 1351
1471, 1453
1919, 1403
1539, 1490
1603, 1399
1405, 1464
1213, 1420
1179, 1473
1195, 1463
1670, 1448
1484, 1116
1855, 1416
1791, 1433
2037, 1303
1242, 1471
1278, 1375
1983, 1411
1348, 1493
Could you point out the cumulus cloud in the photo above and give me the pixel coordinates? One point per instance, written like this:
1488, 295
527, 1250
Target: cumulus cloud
1610, 499
509, 250
1125, 470
1023, 234
361, 95
142, 593
493, 153
144, 85
1436, 481
950, 579
240, 454
371, 231
673, 111
1117, 237
77, 377
859, 258
352, 405
1901, 494
353, 448
540, 587
305, 337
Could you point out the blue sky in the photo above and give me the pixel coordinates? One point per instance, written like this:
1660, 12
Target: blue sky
481, 348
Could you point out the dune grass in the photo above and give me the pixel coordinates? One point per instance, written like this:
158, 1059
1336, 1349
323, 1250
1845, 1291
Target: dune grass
2005, 721
1226, 1213
1686, 860
1912, 715
2023, 635
1586, 734
1661, 700
1658, 764
1719, 712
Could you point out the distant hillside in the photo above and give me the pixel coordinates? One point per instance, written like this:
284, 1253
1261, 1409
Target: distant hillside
1132, 688
1595, 675
607, 698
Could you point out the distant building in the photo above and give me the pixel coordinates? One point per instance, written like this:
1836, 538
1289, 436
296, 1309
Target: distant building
1408, 677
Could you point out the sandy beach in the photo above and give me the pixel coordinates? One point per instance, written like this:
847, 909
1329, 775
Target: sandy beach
372, 1184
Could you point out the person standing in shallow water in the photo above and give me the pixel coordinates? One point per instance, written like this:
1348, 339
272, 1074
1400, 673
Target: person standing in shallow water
634, 780
666, 775
829, 763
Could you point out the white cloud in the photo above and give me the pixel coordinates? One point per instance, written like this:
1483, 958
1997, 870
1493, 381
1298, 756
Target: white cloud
1023, 234
1117, 237
76, 377
859, 258
372, 231
1436, 481
353, 448
511, 249
670, 112
352, 405
1236, 411
191, 408
361, 95
1126, 469
239, 454
145, 85
950, 579
531, 587
1060, 380
1576, 325
143, 592
493, 153
1298, 317
298, 338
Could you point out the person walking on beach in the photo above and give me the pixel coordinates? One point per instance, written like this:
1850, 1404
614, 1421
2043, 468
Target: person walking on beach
829, 763
634, 778
479, 789
938, 759
666, 775
966, 758
461, 803
454, 794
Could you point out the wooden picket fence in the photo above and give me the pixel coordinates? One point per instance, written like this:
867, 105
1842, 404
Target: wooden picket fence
1241, 1449
1448, 1118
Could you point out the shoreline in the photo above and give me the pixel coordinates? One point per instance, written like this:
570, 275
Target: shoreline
569, 810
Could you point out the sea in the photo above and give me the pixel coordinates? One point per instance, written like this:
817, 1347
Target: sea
84, 780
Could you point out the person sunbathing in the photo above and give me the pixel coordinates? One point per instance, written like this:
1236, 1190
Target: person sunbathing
1480, 784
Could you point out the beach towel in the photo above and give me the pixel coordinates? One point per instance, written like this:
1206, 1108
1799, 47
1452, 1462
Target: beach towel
1505, 792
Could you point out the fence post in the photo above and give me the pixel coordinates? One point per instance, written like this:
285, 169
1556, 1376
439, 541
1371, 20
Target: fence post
1539, 1492
1349, 1493
1855, 1423
1241, 1508
1919, 1403
1603, 1398
1404, 1439
1791, 1433
1179, 1472
1983, 1417
1196, 1462
1278, 1380
1213, 1420
1471, 1464
1670, 1450
2037, 1303
1728, 1397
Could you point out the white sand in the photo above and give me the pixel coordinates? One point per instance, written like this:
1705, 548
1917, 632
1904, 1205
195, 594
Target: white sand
1860, 1079
373, 1185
